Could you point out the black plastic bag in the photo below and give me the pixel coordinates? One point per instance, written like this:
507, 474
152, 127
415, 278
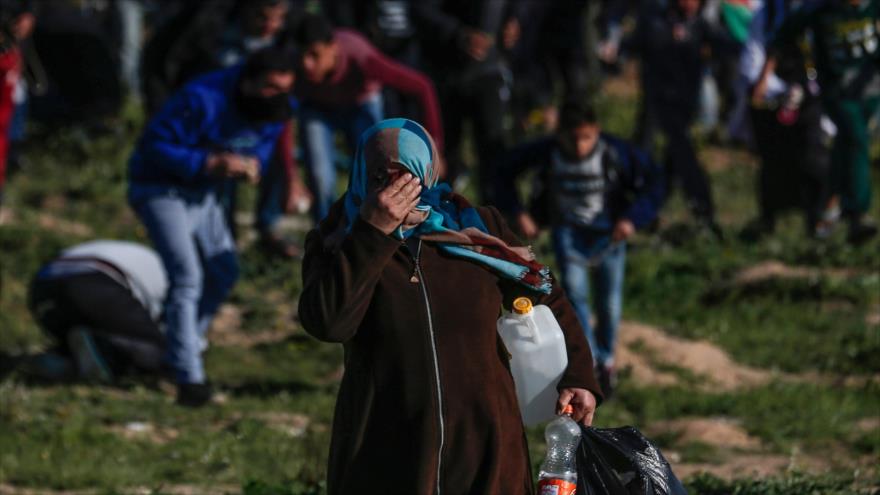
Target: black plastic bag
621, 461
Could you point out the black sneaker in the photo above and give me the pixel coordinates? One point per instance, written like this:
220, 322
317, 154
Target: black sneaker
194, 394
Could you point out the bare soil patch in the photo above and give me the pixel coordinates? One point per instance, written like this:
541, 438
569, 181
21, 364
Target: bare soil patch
626, 85
719, 432
701, 358
869, 425
752, 466
226, 327
651, 357
6, 217
717, 158
48, 221
873, 317
291, 424
51, 222
226, 321
768, 270
141, 430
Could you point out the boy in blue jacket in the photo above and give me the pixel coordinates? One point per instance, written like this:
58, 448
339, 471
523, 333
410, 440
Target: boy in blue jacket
221, 126
593, 190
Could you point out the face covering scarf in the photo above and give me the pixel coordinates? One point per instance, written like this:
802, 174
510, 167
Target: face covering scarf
264, 109
450, 221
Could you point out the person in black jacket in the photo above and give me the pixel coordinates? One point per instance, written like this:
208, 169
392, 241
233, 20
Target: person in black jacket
673, 44
463, 53
593, 190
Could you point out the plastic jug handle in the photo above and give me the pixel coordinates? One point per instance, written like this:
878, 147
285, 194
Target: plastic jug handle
536, 335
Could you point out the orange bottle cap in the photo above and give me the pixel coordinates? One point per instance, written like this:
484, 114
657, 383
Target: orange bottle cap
522, 305
568, 409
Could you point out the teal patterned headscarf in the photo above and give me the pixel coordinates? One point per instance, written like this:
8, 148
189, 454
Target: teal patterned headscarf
450, 220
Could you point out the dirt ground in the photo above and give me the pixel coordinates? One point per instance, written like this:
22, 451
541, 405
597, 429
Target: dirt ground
642, 349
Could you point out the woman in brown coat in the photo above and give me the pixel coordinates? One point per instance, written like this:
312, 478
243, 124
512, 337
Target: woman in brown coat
411, 280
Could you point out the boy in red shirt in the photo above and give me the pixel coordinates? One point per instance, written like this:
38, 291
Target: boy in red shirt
339, 87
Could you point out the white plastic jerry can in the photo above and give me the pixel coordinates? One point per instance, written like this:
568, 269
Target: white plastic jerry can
538, 358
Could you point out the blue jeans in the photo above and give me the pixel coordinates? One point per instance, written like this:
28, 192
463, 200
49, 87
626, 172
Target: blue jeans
316, 129
270, 197
190, 233
586, 258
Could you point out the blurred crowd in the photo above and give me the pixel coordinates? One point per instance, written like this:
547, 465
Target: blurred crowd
260, 89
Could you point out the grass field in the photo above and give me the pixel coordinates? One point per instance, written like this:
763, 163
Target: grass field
755, 366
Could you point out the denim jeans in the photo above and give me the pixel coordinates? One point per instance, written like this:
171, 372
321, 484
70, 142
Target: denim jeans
270, 198
190, 233
316, 129
587, 260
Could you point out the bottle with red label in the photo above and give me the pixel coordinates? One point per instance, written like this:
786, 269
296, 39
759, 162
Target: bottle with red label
558, 475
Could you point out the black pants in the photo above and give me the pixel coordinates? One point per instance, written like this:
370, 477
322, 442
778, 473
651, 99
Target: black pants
794, 163
126, 335
680, 157
483, 102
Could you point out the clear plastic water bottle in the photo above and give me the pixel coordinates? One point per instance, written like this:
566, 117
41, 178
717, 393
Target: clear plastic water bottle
558, 475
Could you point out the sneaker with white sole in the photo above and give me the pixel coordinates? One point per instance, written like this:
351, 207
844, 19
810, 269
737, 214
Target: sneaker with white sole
89, 363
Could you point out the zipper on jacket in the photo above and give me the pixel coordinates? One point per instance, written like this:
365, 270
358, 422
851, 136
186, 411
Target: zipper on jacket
421, 281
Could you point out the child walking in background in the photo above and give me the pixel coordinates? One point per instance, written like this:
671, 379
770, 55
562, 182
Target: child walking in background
593, 190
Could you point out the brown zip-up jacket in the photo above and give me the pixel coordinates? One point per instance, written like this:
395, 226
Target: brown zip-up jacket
427, 403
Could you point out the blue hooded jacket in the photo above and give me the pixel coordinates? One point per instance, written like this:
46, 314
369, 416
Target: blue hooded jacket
199, 119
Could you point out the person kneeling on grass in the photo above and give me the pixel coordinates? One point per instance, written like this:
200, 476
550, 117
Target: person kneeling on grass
593, 190
101, 302
410, 278
221, 126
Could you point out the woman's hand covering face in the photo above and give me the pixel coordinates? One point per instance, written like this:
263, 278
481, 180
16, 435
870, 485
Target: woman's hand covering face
387, 207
